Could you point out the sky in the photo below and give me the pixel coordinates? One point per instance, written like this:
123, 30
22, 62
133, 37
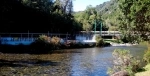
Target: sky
80, 5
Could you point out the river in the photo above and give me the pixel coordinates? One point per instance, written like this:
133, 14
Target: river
69, 62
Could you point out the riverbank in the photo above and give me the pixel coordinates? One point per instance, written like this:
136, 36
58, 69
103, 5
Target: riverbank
46, 44
145, 71
49, 48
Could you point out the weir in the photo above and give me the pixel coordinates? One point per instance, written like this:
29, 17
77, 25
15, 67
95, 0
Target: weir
28, 38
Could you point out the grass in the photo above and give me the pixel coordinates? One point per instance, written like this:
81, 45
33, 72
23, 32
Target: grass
144, 43
144, 73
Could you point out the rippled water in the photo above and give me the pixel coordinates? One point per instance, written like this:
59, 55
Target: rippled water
95, 61
72, 62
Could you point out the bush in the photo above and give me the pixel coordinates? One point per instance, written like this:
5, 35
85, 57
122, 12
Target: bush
99, 40
44, 38
55, 41
124, 62
147, 55
46, 44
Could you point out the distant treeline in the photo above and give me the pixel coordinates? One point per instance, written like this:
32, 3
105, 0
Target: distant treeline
37, 16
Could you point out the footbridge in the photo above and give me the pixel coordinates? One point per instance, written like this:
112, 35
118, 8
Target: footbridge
83, 36
103, 33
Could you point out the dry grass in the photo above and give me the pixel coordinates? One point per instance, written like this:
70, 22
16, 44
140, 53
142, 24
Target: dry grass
145, 73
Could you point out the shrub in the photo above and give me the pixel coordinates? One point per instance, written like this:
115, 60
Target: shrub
99, 40
46, 44
44, 38
147, 55
55, 41
124, 62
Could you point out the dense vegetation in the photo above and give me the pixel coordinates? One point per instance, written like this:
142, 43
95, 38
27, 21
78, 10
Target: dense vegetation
90, 19
109, 12
128, 16
37, 16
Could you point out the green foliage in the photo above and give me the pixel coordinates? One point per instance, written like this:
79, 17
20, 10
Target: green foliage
55, 14
127, 38
88, 18
131, 17
147, 55
99, 40
134, 18
44, 38
124, 61
42, 5
47, 42
109, 12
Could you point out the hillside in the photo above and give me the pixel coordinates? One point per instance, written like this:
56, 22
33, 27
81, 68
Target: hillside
109, 12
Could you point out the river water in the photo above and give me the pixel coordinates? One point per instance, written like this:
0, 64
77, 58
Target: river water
95, 61
69, 62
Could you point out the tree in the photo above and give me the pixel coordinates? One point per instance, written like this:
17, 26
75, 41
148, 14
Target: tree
134, 19
88, 18
42, 5
58, 15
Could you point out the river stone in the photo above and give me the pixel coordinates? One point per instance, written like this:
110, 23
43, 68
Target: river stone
121, 73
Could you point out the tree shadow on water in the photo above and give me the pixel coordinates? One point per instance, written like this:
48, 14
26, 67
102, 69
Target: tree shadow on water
27, 63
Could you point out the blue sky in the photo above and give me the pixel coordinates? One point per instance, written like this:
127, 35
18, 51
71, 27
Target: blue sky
80, 5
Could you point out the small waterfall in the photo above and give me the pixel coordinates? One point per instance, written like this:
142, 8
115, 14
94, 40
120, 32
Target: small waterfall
93, 38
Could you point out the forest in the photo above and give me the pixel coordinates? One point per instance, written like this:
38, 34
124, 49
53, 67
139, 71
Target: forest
127, 16
37, 16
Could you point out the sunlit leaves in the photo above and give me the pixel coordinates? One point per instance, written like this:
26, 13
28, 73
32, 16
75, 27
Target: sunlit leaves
136, 16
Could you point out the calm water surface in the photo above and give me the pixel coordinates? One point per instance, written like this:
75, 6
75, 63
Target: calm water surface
72, 62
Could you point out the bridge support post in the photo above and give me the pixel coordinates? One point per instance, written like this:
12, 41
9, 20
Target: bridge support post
101, 28
95, 27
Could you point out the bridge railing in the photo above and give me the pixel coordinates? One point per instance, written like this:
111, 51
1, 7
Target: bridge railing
104, 33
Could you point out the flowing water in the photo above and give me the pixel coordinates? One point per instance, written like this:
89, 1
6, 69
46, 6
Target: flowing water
69, 62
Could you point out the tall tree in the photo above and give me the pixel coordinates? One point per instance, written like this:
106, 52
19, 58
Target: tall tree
134, 20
